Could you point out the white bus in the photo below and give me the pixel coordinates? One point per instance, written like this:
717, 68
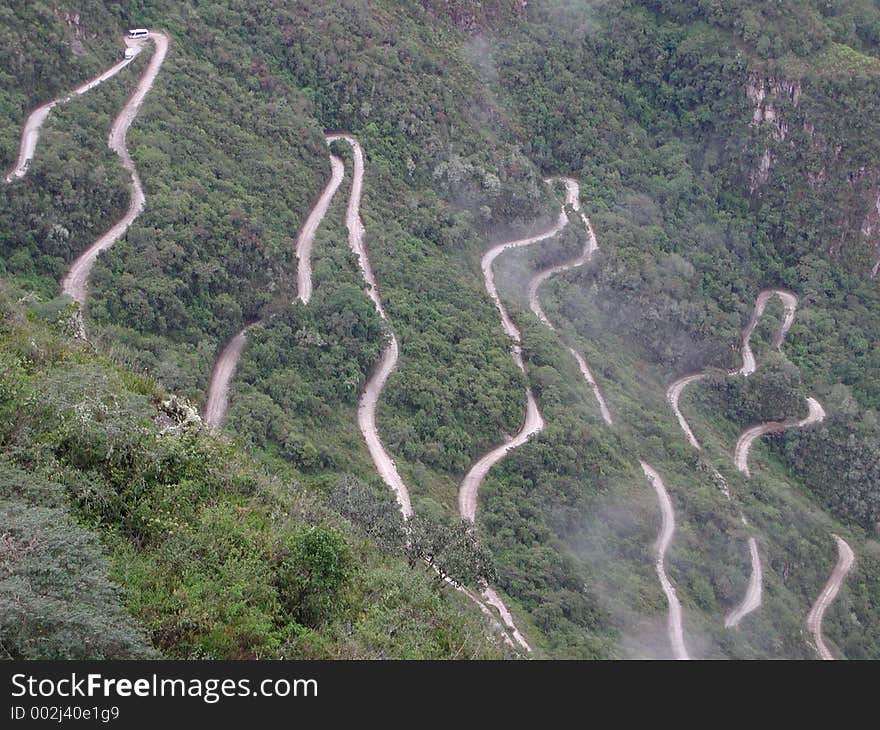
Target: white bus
137, 34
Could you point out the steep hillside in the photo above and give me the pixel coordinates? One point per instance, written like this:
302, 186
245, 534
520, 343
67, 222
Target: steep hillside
107, 478
655, 112
722, 150
46, 50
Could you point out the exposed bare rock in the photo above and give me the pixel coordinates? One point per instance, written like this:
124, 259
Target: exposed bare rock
177, 415
766, 93
769, 95
75, 25
871, 231
861, 193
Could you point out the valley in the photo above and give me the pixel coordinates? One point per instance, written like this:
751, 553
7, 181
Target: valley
270, 405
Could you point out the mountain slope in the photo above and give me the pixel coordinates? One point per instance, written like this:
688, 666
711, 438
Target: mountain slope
105, 477
666, 113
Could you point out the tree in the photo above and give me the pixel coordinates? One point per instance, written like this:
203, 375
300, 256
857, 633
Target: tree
453, 551
377, 517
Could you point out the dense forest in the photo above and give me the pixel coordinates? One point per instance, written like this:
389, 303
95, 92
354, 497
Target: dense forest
721, 149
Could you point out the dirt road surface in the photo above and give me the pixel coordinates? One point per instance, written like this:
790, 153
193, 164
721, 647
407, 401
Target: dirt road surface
752, 600
748, 437
30, 133
845, 560
664, 539
572, 198
218, 390
76, 282
307, 234
673, 394
388, 362
789, 301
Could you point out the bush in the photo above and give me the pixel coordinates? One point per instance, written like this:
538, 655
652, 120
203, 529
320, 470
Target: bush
314, 567
56, 601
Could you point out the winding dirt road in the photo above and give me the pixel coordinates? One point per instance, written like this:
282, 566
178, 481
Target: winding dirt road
572, 198
76, 282
533, 423
494, 600
493, 618
307, 235
224, 369
470, 485
376, 382
30, 133
367, 421
228, 360
745, 441
469, 489
789, 301
673, 394
753, 597
667, 530
752, 600
226, 363
845, 560
747, 438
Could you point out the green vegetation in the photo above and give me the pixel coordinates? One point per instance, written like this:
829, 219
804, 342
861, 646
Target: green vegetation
841, 460
74, 190
277, 538
55, 592
47, 49
217, 558
773, 393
